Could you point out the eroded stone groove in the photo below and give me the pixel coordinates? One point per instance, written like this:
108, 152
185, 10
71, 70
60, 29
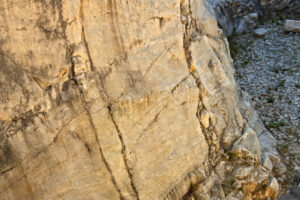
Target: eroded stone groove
112, 6
113, 179
86, 107
99, 79
130, 174
187, 185
190, 27
87, 49
105, 97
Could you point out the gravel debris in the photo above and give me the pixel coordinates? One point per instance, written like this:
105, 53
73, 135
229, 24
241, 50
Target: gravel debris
268, 68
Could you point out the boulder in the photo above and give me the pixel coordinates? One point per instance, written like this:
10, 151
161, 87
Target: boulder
272, 189
247, 146
292, 26
267, 163
242, 172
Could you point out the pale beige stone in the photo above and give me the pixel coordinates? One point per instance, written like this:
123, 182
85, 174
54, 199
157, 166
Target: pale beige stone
292, 26
114, 100
247, 146
242, 172
267, 163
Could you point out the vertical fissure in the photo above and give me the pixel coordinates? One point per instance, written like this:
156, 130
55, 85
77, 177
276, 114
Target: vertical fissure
86, 45
83, 35
188, 36
123, 151
73, 77
104, 95
107, 166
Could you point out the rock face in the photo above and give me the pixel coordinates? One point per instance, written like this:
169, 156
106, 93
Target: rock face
120, 100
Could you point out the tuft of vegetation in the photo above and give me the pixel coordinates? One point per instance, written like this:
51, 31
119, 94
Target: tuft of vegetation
283, 148
281, 83
233, 46
276, 125
271, 99
275, 70
236, 47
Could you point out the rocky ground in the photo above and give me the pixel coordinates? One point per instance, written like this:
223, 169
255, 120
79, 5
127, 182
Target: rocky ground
268, 68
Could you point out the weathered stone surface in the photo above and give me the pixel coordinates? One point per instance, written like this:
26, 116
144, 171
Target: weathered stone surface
260, 32
116, 100
292, 26
247, 146
272, 188
269, 153
267, 163
242, 172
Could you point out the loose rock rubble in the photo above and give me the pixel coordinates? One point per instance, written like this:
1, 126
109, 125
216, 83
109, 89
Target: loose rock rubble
268, 69
237, 16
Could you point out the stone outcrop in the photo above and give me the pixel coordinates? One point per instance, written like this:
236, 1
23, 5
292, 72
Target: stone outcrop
123, 100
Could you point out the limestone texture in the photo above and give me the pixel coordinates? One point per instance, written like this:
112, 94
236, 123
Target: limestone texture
121, 100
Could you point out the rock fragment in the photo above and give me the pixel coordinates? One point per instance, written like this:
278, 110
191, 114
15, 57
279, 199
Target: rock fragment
253, 16
250, 22
267, 163
247, 146
242, 171
260, 32
272, 189
292, 26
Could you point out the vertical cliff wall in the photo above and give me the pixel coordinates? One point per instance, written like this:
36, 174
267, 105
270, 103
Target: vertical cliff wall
122, 100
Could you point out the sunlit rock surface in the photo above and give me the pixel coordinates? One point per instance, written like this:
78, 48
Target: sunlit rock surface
120, 100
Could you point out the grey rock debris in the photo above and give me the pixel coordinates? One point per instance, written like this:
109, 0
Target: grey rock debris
260, 32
